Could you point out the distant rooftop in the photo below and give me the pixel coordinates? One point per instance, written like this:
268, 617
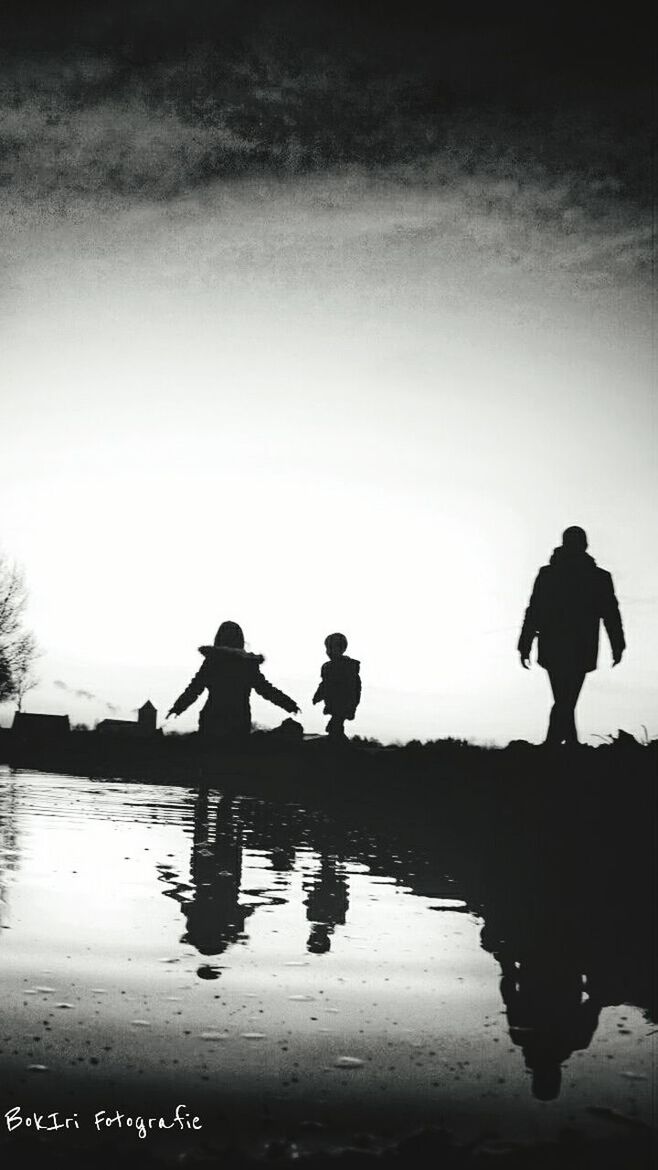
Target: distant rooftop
37, 723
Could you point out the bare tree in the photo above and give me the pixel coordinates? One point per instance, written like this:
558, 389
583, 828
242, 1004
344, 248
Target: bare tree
18, 648
22, 671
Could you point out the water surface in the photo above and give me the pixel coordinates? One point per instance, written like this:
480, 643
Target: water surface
272, 967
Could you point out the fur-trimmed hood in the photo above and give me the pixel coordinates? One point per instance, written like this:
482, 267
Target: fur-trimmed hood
210, 651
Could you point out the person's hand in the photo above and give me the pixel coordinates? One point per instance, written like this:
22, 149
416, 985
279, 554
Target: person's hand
169, 714
616, 658
525, 661
295, 710
315, 700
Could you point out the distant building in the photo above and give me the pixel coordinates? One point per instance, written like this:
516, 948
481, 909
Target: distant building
36, 726
147, 717
146, 724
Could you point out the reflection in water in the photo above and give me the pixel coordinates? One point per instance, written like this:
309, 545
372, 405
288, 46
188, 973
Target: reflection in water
215, 918
327, 902
211, 905
536, 928
537, 931
282, 858
550, 1015
562, 927
9, 844
321, 928
554, 915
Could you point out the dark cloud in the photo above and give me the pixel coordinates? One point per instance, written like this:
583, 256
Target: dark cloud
79, 693
144, 100
516, 36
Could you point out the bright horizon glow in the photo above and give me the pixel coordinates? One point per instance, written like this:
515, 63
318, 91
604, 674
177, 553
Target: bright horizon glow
309, 407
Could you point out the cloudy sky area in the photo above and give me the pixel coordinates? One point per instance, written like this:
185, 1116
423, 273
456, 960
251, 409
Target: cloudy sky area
321, 325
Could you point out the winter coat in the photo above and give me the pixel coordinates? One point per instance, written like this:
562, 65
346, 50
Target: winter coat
570, 598
229, 676
340, 687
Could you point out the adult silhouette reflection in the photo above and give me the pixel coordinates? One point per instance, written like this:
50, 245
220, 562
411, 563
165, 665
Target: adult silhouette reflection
570, 598
214, 916
550, 1013
536, 927
327, 903
229, 673
567, 903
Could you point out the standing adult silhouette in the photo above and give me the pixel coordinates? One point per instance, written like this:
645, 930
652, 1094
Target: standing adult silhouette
570, 598
229, 673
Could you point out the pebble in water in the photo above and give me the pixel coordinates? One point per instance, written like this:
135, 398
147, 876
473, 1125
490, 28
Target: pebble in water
63, 1005
213, 1035
348, 1062
37, 1068
141, 1023
253, 1035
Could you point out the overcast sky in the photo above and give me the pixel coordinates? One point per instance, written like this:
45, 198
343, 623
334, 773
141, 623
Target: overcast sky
355, 397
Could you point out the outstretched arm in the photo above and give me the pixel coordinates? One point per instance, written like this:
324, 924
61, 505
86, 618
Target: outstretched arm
529, 629
612, 621
319, 694
265, 688
190, 693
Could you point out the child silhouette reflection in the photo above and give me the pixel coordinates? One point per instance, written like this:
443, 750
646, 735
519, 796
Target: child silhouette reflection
327, 903
214, 916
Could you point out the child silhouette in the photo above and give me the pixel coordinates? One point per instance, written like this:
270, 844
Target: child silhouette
340, 686
229, 673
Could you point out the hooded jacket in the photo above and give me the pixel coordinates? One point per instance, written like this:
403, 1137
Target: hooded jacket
340, 687
570, 598
229, 676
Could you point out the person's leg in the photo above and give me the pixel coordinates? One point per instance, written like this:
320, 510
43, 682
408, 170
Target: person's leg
573, 686
555, 733
335, 727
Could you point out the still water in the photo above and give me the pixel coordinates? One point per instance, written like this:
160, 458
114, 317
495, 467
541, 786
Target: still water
264, 963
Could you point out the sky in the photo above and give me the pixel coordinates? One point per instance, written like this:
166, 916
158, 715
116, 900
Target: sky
365, 393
